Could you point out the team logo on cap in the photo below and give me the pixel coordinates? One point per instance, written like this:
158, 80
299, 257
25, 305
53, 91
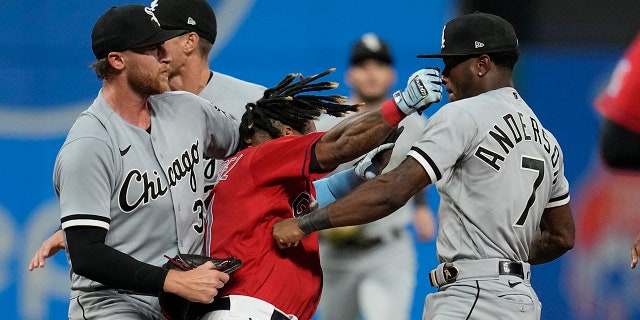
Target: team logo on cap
478, 44
149, 11
442, 46
372, 42
190, 21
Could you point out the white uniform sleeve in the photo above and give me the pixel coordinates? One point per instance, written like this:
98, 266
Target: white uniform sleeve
82, 179
447, 135
560, 189
222, 130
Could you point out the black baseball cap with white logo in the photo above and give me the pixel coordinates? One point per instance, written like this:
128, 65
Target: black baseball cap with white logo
127, 27
370, 46
474, 34
191, 15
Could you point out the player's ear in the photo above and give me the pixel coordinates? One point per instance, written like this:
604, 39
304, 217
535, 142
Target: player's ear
287, 131
394, 77
116, 60
191, 43
347, 77
483, 64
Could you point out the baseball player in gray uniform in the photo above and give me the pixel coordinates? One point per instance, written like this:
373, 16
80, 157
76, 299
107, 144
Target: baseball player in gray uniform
129, 176
189, 72
500, 175
355, 261
191, 58
190, 65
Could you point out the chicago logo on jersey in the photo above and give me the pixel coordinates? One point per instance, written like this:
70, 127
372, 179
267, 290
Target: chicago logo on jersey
140, 187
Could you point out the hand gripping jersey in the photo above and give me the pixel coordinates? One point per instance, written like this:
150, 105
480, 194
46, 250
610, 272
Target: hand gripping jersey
142, 186
496, 169
259, 186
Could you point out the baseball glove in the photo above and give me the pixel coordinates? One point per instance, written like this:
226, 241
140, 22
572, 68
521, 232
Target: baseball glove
175, 307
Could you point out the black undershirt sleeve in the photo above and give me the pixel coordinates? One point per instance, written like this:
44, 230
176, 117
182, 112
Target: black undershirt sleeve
619, 147
314, 165
93, 259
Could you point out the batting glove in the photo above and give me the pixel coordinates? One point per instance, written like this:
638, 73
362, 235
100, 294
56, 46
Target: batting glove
365, 168
423, 88
372, 164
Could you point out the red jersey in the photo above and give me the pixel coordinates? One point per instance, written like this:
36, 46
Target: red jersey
258, 187
620, 101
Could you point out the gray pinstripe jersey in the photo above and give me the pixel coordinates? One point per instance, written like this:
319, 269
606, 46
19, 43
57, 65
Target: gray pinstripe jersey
141, 186
496, 169
231, 95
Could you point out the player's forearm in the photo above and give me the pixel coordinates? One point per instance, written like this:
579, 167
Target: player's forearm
557, 235
547, 248
93, 259
356, 135
369, 202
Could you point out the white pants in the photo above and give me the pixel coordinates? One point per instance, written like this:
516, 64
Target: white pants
111, 305
247, 308
483, 294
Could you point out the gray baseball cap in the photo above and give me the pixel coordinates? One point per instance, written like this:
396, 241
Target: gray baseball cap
475, 34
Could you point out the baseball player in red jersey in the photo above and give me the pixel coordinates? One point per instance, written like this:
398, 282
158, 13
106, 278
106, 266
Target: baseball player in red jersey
270, 178
620, 130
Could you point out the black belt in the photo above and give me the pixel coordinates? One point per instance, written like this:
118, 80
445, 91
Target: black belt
449, 272
511, 268
224, 303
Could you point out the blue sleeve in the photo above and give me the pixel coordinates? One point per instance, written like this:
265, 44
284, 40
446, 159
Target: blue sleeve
336, 186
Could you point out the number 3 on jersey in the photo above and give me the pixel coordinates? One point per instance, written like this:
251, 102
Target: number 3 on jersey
199, 208
531, 164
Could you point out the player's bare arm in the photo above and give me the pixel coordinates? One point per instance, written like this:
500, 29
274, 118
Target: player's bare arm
48, 248
424, 222
557, 235
635, 252
358, 134
351, 138
371, 201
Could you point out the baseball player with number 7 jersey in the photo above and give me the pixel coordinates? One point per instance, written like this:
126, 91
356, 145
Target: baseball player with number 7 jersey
504, 199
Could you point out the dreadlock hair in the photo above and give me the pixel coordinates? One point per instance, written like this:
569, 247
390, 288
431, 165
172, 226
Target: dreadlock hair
284, 104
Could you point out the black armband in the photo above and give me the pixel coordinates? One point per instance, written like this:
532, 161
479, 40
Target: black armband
314, 221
